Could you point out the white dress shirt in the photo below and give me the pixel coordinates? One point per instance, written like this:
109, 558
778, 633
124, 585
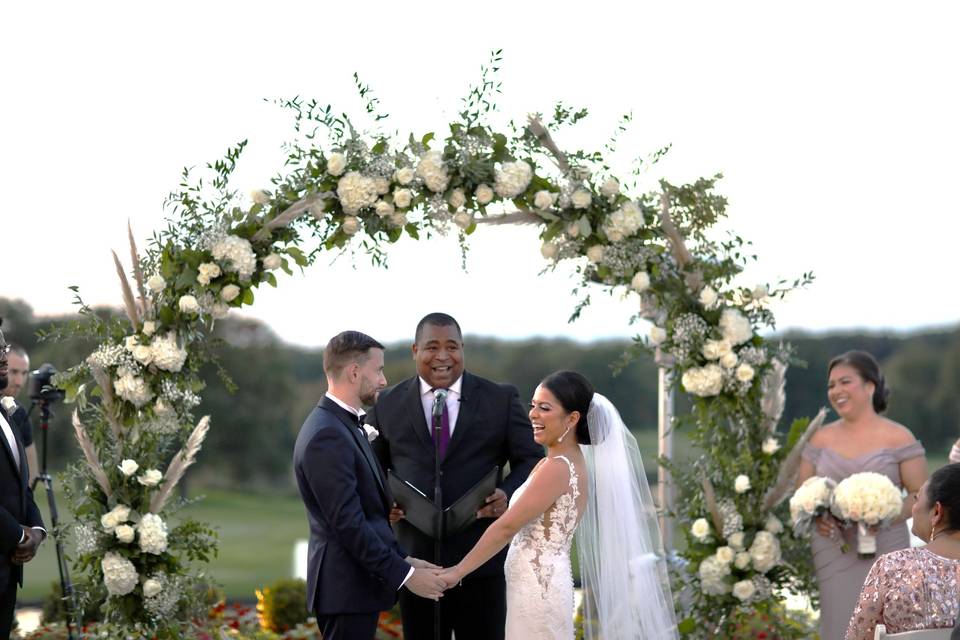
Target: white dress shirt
453, 403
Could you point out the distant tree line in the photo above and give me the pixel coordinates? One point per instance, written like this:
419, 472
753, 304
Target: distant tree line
254, 428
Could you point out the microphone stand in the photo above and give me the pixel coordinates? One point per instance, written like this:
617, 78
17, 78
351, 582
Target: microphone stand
439, 401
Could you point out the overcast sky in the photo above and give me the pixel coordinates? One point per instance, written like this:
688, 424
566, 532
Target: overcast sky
835, 125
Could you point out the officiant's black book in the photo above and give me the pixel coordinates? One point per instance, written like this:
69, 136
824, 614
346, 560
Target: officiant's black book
420, 511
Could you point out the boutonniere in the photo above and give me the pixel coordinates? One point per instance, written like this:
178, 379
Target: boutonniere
9, 404
371, 432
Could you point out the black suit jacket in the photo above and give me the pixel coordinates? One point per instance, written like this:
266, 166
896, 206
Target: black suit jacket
491, 429
354, 562
16, 506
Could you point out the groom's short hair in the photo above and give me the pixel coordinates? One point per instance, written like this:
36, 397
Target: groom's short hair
346, 348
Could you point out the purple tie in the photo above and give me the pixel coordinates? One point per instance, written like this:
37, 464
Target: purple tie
444, 434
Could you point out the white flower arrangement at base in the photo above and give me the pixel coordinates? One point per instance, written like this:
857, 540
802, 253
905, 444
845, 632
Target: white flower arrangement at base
809, 501
869, 500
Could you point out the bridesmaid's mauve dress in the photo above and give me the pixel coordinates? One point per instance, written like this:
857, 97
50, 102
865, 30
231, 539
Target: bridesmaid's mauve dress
841, 575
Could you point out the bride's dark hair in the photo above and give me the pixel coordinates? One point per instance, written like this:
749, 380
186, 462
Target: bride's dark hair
574, 392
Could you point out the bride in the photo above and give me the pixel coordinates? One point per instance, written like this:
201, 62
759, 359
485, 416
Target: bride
598, 490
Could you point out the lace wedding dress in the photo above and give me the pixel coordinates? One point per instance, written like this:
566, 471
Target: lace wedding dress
538, 572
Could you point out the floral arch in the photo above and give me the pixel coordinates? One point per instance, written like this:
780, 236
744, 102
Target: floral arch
362, 191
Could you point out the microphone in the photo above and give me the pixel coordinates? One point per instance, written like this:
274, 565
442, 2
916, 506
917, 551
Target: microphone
439, 400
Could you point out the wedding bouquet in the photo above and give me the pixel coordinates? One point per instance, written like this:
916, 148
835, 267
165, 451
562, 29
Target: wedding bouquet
869, 500
809, 501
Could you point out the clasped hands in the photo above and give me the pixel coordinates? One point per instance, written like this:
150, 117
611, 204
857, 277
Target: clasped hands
27, 549
430, 581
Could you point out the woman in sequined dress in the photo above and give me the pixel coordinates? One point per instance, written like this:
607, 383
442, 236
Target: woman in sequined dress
915, 589
861, 440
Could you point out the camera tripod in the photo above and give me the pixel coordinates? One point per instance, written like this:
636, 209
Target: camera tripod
73, 614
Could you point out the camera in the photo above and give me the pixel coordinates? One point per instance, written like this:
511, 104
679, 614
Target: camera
41, 387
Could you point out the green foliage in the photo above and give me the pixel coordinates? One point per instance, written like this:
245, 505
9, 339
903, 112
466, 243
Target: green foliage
282, 605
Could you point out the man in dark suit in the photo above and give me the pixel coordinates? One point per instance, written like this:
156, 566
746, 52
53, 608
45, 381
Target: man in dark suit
355, 566
485, 426
21, 527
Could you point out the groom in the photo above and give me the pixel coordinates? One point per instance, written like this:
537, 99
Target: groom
486, 426
355, 566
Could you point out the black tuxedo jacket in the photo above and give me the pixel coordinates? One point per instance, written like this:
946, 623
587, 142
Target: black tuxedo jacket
354, 562
491, 429
16, 506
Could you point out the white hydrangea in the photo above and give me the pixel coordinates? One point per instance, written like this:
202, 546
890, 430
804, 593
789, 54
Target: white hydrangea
703, 381
384, 209
623, 223
595, 253
207, 272
124, 533
132, 388
745, 373
708, 297
153, 534
512, 179
544, 199
167, 354
700, 529
128, 467
272, 262
350, 225
658, 335
712, 573
483, 194
260, 196
741, 484
463, 219
356, 191
150, 477
381, 185
237, 254
402, 198
432, 170
760, 292
549, 250
765, 551
735, 326
743, 590
156, 283
119, 575
610, 188
742, 560
188, 304
640, 281
229, 292
581, 199
404, 175
336, 163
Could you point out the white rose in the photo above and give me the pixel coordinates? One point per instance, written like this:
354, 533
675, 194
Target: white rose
150, 477
229, 292
657, 335
381, 186
745, 373
700, 529
760, 292
770, 446
398, 219
336, 163
573, 229
130, 342
189, 304
385, 209
463, 219
124, 533
640, 281
595, 253
372, 433
143, 354
483, 194
742, 560
272, 262
457, 199
581, 199
708, 297
108, 521
128, 467
736, 540
9, 404
543, 199
711, 349
744, 589
149, 327
207, 272
402, 198
773, 525
404, 175
610, 188
549, 250
151, 587
156, 283
725, 554
351, 224
259, 196
741, 484
729, 360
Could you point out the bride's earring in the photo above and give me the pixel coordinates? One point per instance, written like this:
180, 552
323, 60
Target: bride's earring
560, 439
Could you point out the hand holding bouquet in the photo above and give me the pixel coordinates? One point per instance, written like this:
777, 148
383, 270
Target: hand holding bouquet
809, 501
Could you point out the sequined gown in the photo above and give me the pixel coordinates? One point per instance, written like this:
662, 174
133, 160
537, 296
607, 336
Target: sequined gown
538, 572
841, 575
907, 590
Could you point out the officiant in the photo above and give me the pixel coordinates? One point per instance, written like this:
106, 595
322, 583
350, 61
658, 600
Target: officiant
483, 426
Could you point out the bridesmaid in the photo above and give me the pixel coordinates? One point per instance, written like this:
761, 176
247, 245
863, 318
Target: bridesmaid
861, 440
